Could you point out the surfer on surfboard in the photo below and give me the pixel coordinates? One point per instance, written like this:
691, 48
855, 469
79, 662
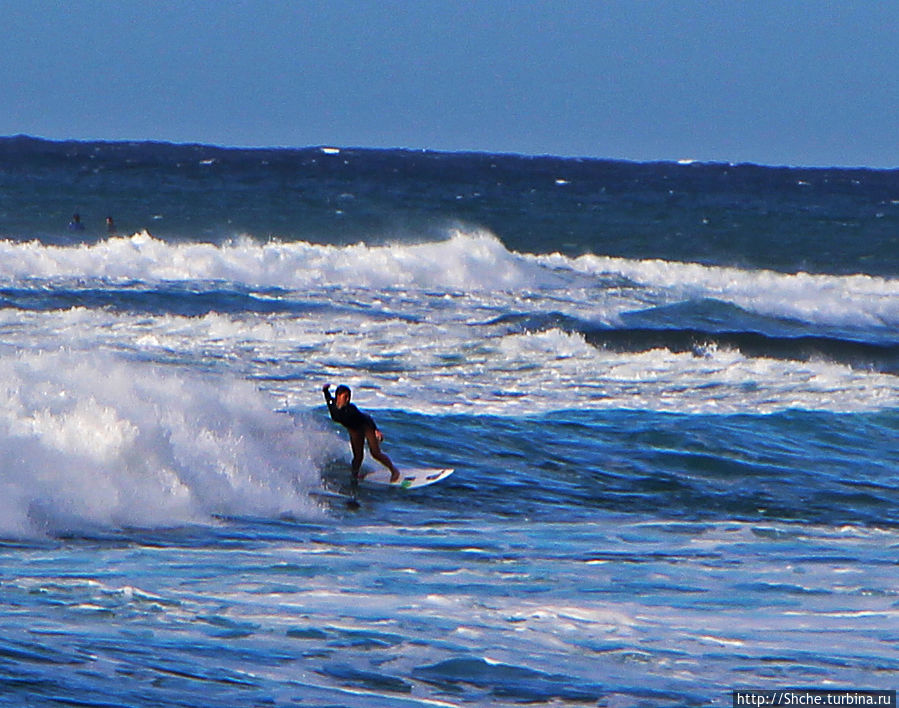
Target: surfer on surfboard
362, 428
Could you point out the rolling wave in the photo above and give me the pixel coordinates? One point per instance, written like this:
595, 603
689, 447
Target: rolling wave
873, 356
91, 440
467, 261
464, 323
772, 339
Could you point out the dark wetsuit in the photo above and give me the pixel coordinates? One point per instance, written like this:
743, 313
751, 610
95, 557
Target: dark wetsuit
362, 427
349, 416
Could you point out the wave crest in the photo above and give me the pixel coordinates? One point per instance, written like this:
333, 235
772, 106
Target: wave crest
94, 441
468, 261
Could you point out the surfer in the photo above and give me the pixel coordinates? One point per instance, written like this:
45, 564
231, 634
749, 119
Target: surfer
362, 427
75, 224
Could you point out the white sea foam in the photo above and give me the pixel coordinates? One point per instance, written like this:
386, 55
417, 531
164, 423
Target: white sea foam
449, 364
853, 300
466, 261
469, 261
91, 439
412, 325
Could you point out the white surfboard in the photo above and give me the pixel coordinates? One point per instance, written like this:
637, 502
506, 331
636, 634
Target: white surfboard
410, 478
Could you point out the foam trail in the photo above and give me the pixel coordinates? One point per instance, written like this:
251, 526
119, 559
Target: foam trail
89, 440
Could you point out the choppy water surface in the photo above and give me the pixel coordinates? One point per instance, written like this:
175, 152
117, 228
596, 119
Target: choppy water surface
669, 393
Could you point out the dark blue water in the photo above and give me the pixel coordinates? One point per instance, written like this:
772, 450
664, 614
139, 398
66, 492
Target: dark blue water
669, 392
838, 221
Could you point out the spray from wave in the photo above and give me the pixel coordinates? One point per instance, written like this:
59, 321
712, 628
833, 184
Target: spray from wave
93, 441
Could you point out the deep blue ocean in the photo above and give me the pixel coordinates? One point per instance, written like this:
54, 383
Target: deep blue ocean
670, 393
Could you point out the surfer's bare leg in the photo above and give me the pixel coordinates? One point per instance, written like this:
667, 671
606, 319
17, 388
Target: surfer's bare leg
374, 445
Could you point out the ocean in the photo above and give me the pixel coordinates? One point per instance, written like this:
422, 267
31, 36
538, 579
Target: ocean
670, 393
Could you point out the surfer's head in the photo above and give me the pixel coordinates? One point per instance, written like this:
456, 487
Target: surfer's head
342, 395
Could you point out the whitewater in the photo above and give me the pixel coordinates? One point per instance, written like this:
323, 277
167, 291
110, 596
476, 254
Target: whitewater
669, 393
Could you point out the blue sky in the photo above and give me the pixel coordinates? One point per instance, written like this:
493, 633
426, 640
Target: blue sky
792, 82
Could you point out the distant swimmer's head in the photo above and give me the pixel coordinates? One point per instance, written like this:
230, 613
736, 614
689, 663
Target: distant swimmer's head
342, 395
